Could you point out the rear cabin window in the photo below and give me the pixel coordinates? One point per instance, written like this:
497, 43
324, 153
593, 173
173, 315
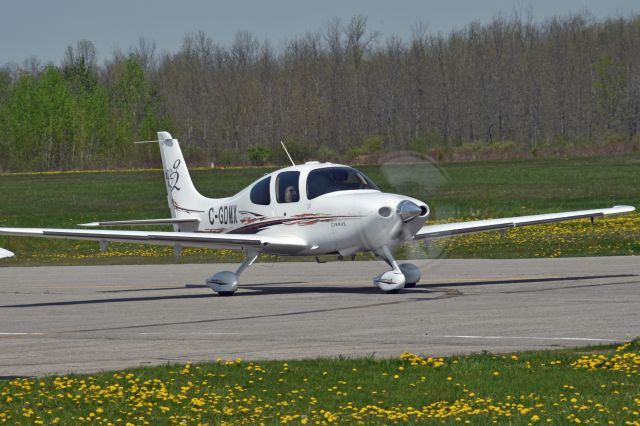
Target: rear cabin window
287, 189
331, 179
260, 192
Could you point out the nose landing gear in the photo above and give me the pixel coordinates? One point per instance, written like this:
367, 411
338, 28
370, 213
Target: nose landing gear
401, 276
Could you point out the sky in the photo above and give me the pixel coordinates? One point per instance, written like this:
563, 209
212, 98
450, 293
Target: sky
44, 28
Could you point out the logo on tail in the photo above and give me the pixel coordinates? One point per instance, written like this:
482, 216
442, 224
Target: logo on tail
173, 176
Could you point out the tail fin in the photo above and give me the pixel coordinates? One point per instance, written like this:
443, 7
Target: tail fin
184, 200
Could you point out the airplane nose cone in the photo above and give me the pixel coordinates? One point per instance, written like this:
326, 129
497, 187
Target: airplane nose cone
408, 210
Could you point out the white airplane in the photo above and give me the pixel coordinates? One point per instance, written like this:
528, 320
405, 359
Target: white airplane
305, 210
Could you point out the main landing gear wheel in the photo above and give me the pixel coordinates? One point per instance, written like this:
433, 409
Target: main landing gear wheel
225, 283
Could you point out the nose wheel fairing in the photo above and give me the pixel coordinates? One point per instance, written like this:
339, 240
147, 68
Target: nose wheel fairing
390, 281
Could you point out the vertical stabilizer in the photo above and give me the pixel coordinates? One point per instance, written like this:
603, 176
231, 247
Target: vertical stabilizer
184, 200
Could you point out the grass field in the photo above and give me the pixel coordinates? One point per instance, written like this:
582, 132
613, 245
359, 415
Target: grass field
454, 191
597, 385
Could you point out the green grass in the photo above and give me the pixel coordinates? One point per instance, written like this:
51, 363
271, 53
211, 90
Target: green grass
593, 385
457, 190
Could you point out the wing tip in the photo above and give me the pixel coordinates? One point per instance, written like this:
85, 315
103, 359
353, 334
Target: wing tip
6, 253
624, 209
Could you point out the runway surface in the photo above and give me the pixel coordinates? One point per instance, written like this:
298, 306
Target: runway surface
86, 319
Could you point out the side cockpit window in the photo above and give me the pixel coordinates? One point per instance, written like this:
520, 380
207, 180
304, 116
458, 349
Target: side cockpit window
260, 192
331, 179
287, 187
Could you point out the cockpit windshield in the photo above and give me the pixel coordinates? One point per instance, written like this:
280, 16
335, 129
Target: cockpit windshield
331, 179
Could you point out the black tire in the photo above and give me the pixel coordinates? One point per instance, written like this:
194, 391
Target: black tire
226, 293
409, 285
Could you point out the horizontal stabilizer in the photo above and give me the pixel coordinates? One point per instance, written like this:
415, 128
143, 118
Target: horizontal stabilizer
171, 221
5, 253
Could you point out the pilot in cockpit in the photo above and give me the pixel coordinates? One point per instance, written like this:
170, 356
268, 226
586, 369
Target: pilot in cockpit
290, 194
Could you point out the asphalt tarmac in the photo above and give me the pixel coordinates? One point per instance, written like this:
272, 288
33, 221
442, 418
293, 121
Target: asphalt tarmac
56, 320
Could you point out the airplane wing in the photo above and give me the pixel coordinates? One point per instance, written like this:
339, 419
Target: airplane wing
280, 244
451, 229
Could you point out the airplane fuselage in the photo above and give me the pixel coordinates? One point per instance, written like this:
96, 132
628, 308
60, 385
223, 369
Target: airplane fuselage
344, 221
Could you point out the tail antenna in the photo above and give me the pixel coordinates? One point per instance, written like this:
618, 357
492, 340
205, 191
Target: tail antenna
285, 150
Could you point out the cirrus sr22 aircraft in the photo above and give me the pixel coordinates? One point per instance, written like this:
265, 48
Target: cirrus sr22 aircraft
305, 210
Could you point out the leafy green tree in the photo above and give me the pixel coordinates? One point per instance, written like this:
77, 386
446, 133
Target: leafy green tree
136, 109
79, 67
54, 118
259, 154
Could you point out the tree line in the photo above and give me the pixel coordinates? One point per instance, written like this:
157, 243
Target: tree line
340, 92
